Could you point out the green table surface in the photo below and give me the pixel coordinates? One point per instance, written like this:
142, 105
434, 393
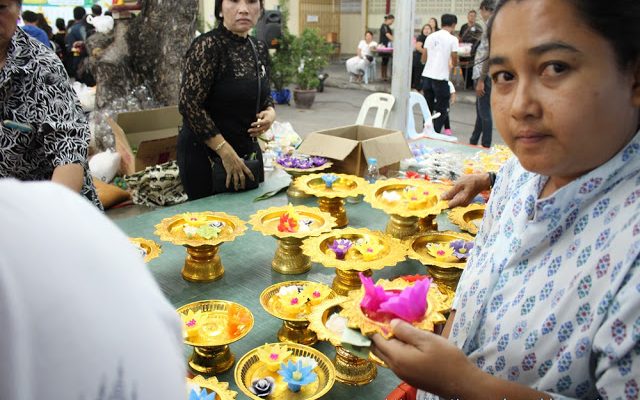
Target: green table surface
247, 263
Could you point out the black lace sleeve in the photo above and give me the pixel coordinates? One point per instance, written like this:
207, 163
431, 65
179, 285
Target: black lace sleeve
263, 52
197, 79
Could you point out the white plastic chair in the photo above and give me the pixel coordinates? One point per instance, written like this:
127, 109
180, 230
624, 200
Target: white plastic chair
383, 102
416, 98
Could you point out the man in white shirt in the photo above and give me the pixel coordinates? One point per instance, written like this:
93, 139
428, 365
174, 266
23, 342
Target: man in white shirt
80, 315
441, 47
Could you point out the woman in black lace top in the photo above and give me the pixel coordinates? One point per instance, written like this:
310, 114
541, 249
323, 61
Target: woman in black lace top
218, 100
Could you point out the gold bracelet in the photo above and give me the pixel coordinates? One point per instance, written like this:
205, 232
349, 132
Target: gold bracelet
218, 147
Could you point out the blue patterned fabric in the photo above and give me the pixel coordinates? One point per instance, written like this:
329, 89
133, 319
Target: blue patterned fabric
550, 297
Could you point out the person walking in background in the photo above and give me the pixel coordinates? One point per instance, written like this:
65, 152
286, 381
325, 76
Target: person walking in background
58, 38
471, 32
30, 20
418, 53
74, 41
386, 37
482, 82
441, 50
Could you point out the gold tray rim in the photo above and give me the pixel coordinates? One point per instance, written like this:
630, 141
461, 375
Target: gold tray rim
163, 231
256, 222
397, 253
414, 255
316, 322
184, 307
267, 293
456, 216
301, 183
358, 320
406, 213
220, 388
154, 248
331, 378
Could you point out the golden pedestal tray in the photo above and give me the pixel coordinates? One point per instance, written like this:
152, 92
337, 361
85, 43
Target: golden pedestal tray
317, 248
468, 218
148, 248
289, 258
393, 197
211, 354
350, 370
437, 306
221, 389
203, 262
293, 192
250, 367
445, 274
332, 199
295, 329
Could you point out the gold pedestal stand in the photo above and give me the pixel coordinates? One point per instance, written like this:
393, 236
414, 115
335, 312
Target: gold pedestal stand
348, 280
447, 278
335, 207
293, 192
211, 360
427, 224
289, 259
402, 227
297, 332
202, 264
352, 370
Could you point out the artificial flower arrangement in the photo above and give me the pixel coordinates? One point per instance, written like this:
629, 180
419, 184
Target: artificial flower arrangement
295, 300
196, 225
192, 322
201, 394
237, 320
409, 304
455, 251
301, 161
329, 180
416, 197
368, 247
296, 372
293, 222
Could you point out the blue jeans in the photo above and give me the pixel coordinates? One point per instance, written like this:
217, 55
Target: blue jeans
484, 122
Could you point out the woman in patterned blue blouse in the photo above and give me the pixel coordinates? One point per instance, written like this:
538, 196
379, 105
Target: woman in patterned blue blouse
43, 132
549, 303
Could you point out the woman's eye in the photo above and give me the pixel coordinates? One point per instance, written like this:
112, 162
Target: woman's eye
502, 76
554, 69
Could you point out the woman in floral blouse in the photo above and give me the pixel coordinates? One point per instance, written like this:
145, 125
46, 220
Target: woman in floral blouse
44, 134
549, 303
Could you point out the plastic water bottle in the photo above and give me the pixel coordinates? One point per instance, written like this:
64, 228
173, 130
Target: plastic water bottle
373, 174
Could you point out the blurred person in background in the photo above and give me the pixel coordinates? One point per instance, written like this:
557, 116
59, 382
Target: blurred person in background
30, 20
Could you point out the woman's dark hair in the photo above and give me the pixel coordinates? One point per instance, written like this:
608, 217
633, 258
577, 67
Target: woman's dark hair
614, 20
218, 9
437, 28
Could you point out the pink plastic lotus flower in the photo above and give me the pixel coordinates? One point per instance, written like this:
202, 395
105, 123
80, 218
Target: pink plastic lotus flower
374, 296
411, 304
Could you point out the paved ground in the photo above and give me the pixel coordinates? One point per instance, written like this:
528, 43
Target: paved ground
340, 102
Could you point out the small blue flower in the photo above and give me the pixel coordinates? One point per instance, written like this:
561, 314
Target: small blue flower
203, 395
329, 179
297, 375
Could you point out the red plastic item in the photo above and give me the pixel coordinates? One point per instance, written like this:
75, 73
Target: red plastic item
403, 392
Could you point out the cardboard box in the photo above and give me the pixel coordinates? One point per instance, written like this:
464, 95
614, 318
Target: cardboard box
154, 133
350, 147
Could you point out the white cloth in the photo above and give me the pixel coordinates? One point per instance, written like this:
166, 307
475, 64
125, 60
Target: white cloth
356, 65
81, 318
439, 47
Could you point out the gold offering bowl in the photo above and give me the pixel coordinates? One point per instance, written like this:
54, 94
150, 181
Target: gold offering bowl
350, 369
221, 389
407, 201
444, 272
250, 367
148, 248
293, 192
468, 218
295, 328
331, 199
392, 251
437, 306
211, 353
203, 262
289, 258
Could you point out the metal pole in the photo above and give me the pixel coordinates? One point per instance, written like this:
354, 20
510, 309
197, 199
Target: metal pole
402, 62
